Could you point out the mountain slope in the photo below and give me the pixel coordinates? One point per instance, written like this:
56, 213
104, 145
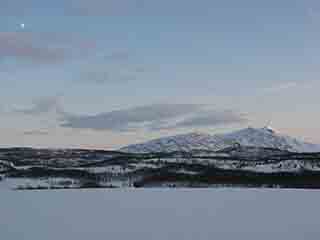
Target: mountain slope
184, 142
269, 138
255, 137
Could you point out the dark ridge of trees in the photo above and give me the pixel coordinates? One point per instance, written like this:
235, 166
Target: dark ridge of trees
38, 172
305, 179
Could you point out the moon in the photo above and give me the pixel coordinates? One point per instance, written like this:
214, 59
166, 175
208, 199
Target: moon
22, 25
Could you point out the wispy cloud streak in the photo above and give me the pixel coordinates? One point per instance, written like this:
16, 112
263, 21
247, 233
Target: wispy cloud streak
154, 117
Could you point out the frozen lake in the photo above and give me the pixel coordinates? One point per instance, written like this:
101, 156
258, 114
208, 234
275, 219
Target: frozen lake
158, 214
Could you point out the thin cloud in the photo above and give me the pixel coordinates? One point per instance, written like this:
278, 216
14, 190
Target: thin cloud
123, 119
101, 76
42, 106
281, 87
153, 117
213, 118
290, 86
23, 46
42, 47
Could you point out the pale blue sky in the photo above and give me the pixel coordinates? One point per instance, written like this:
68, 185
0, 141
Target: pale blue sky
233, 63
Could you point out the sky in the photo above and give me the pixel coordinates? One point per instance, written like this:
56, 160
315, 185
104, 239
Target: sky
107, 73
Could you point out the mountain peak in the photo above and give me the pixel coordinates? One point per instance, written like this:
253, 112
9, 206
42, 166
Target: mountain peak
269, 128
249, 131
267, 137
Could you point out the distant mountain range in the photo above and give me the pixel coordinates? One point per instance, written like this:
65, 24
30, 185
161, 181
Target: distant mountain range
247, 158
254, 137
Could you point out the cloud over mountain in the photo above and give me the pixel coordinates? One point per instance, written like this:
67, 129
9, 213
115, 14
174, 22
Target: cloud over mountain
153, 117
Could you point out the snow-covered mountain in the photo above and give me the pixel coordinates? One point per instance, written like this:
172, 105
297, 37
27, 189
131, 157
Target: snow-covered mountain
256, 137
183, 142
268, 138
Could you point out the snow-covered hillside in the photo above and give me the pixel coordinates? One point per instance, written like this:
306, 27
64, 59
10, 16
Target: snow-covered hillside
256, 137
269, 138
184, 142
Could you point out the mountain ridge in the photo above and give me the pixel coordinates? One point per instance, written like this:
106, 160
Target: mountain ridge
255, 137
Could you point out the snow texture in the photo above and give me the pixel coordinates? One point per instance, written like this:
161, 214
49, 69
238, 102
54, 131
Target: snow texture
255, 137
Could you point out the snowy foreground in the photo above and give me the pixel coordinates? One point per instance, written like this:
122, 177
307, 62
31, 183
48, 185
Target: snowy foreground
159, 214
